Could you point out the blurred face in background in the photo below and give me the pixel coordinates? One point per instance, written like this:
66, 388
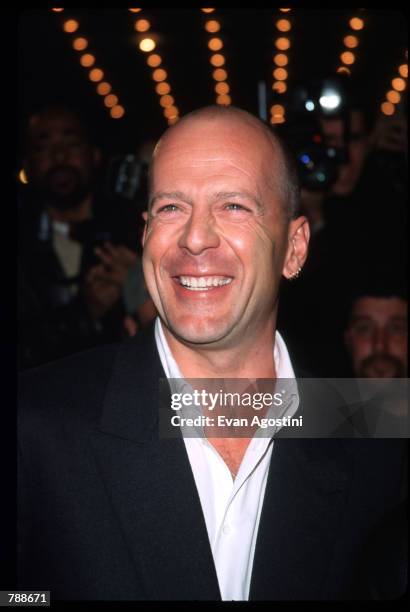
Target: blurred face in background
376, 337
60, 162
357, 147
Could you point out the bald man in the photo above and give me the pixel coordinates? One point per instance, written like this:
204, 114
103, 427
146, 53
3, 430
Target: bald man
110, 508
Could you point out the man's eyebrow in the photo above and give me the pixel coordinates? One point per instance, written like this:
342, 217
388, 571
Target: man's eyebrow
360, 317
169, 195
242, 194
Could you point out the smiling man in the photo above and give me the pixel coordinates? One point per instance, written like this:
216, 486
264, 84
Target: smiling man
111, 510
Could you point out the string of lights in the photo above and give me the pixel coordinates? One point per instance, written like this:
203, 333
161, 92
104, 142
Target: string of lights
398, 86
282, 43
147, 43
80, 44
350, 42
217, 59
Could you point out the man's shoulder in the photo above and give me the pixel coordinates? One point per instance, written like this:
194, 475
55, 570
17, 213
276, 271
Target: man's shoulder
77, 384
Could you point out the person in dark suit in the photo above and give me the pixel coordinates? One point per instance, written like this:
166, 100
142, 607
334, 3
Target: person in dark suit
111, 510
75, 243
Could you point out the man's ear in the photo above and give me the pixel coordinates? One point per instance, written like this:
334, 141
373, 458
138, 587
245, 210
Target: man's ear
144, 233
297, 249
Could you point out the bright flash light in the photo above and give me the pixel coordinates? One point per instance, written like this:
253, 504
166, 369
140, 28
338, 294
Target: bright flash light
330, 100
309, 105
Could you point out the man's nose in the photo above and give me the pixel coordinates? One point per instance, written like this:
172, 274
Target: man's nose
60, 154
199, 233
380, 341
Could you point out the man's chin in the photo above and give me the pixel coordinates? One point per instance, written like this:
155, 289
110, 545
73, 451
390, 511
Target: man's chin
382, 369
201, 332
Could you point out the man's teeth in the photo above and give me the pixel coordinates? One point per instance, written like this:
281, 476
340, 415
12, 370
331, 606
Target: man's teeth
197, 283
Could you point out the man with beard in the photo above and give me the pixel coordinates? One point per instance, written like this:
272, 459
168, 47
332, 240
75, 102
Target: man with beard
375, 340
111, 509
74, 255
376, 336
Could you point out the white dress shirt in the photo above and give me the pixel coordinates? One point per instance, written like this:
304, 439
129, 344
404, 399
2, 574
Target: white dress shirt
231, 508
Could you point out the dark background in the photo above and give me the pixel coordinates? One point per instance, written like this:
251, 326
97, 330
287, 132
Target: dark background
50, 71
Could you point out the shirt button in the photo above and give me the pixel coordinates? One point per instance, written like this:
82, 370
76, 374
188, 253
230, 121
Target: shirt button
226, 529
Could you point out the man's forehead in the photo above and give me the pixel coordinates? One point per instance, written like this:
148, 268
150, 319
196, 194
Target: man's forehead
373, 306
334, 125
215, 142
42, 126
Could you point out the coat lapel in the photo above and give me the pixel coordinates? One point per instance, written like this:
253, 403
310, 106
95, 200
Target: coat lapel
303, 505
150, 484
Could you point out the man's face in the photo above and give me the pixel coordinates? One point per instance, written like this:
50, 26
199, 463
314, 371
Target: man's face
377, 337
333, 132
215, 243
59, 159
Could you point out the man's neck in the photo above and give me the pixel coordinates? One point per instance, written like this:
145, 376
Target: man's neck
250, 359
72, 215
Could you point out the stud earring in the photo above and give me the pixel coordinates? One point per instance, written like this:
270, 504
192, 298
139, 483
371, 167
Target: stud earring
296, 274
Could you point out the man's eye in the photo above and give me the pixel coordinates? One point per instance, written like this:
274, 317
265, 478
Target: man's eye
168, 208
363, 328
398, 328
234, 206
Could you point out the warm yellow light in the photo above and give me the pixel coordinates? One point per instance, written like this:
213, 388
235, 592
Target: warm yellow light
224, 100
387, 108
215, 44
356, 23
282, 43
277, 109
343, 70
96, 75
220, 74
135, 10
166, 100
207, 10
398, 84
280, 74
222, 88
162, 88
159, 74
351, 41
280, 59
80, 44
142, 25
70, 26
217, 59
403, 70
285, 10
117, 111
103, 88
23, 177
57, 10
393, 96
347, 57
147, 44
283, 25
277, 119
154, 60
279, 86
87, 60
171, 111
212, 26
110, 100
173, 120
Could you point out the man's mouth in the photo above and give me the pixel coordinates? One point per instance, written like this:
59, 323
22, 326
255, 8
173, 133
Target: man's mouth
203, 283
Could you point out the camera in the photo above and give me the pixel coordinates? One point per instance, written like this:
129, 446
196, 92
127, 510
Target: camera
317, 162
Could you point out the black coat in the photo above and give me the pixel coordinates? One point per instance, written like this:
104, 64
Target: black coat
109, 511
